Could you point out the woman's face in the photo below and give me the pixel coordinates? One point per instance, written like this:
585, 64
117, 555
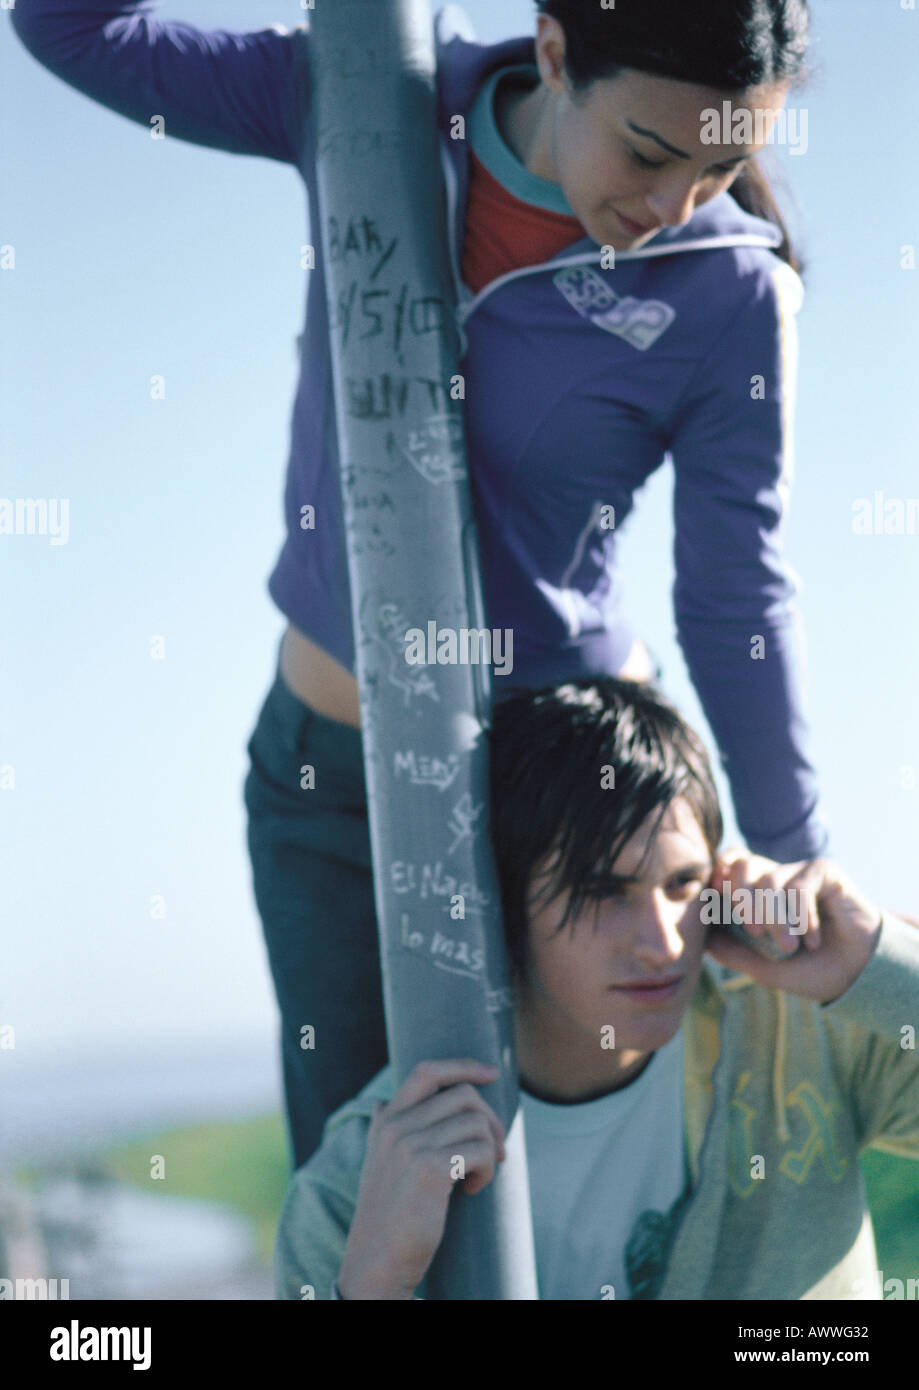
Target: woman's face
632, 146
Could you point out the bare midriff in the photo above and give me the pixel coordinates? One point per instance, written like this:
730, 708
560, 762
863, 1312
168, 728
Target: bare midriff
318, 679
330, 689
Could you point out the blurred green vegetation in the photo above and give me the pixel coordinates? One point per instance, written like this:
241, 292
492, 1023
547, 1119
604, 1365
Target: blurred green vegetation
242, 1164
893, 1196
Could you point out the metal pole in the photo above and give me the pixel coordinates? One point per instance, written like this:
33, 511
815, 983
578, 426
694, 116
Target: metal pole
413, 565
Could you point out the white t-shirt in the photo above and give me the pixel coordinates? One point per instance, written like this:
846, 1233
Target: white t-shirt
603, 1177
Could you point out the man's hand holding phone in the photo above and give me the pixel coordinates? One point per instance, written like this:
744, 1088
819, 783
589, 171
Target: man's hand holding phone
825, 942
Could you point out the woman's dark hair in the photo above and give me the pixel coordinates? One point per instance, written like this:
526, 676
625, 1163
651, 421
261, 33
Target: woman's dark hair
727, 44
553, 756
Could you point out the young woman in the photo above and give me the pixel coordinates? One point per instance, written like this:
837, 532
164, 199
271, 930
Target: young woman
580, 379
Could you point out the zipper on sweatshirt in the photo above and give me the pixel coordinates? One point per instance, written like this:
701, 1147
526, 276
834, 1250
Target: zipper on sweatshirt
716, 1115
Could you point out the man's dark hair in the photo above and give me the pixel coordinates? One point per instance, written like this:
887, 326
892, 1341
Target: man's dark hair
575, 770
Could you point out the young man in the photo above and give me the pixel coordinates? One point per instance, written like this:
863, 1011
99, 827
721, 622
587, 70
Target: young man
693, 1111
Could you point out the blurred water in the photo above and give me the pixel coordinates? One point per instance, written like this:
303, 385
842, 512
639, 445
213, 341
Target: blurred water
113, 1241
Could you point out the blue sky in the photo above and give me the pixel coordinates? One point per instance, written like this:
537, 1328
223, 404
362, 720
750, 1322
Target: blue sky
136, 256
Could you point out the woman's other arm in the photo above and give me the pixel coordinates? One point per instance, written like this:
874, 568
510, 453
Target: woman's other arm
734, 593
244, 93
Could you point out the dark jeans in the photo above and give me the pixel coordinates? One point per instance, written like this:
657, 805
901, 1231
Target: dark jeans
310, 853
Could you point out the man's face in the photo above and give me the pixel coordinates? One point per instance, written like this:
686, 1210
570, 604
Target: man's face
631, 959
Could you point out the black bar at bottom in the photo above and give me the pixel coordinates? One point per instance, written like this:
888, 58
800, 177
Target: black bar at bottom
278, 1340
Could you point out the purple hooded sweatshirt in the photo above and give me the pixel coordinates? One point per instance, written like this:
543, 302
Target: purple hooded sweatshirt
580, 381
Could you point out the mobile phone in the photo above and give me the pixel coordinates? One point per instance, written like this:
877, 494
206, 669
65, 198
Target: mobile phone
762, 945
